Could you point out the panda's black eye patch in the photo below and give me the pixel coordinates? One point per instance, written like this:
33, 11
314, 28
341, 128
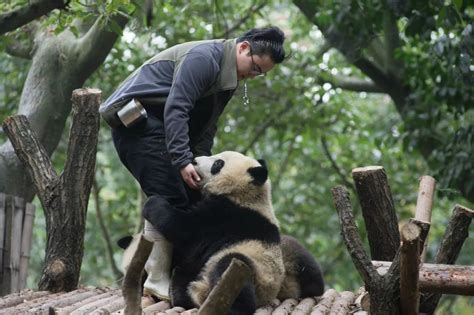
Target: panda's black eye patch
217, 166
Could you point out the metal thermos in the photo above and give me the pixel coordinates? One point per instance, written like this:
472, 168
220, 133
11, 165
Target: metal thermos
132, 113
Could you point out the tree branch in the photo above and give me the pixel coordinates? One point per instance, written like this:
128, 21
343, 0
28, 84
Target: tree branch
351, 236
90, 56
392, 42
33, 155
13, 19
236, 25
349, 83
334, 165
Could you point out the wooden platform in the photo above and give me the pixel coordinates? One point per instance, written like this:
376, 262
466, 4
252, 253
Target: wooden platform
92, 300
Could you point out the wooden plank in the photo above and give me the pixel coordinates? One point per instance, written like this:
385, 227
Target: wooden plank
18, 213
6, 283
2, 234
26, 239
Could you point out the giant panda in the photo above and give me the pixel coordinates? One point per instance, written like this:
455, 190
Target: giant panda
235, 219
303, 275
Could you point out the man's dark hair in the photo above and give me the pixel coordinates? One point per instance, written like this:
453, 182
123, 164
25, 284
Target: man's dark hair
266, 41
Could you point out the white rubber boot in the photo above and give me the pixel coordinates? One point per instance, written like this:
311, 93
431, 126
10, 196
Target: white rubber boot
158, 265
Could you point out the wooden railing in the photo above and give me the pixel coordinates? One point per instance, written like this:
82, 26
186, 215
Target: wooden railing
16, 227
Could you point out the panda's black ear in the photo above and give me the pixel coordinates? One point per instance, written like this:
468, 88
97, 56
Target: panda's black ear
125, 241
259, 175
263, 163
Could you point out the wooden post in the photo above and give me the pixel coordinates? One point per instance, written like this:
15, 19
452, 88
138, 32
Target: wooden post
64, 197
222, 296
131, 286
424, 204
439, 278
456, 233
409, 266
384, 290
378, 210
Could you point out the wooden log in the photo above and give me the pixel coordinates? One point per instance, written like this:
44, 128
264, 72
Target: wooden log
131, 287
350, 234
113, 305
26, 238
325, 303
424, 230
384, 290
94, 306
439, 278
64, 198
14, 299
268, 309
456, 233
378, 211
156, 308
72, 305
192, 311
304, 307
222, 296
62, 300
26, 306
341, 304
286, 307
409, 267
424, 204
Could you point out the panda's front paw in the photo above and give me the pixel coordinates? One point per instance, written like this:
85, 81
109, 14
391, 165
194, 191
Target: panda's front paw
156, 209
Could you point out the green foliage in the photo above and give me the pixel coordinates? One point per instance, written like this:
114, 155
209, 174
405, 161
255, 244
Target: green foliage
311, 135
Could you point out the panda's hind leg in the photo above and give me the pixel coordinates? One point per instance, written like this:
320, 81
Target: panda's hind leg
245, 303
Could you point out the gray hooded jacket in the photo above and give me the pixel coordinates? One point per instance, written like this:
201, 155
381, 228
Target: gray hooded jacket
187, 86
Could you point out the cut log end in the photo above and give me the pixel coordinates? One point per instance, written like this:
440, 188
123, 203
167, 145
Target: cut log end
86, 91
366, 169
464, 210
410, 232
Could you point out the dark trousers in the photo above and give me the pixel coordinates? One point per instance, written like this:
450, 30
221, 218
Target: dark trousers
142, 149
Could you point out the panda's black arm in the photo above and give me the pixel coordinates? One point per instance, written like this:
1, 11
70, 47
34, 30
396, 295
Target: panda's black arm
173, 223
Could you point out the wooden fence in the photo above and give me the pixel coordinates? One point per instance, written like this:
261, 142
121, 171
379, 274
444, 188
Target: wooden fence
16, 227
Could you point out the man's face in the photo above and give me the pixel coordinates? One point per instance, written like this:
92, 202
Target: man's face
250, 66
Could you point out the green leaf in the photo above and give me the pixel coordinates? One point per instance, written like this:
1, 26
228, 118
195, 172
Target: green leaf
458, 4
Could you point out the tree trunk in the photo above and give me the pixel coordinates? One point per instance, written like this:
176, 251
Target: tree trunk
378, 210
46, 104
64, 198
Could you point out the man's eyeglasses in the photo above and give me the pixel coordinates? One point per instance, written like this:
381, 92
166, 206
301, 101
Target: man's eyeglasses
256, 70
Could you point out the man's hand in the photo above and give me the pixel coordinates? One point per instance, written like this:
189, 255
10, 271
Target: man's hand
190, 176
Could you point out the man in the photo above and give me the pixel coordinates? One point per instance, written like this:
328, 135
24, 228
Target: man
165, 114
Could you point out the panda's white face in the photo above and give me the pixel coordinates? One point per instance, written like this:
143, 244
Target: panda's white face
230, 173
